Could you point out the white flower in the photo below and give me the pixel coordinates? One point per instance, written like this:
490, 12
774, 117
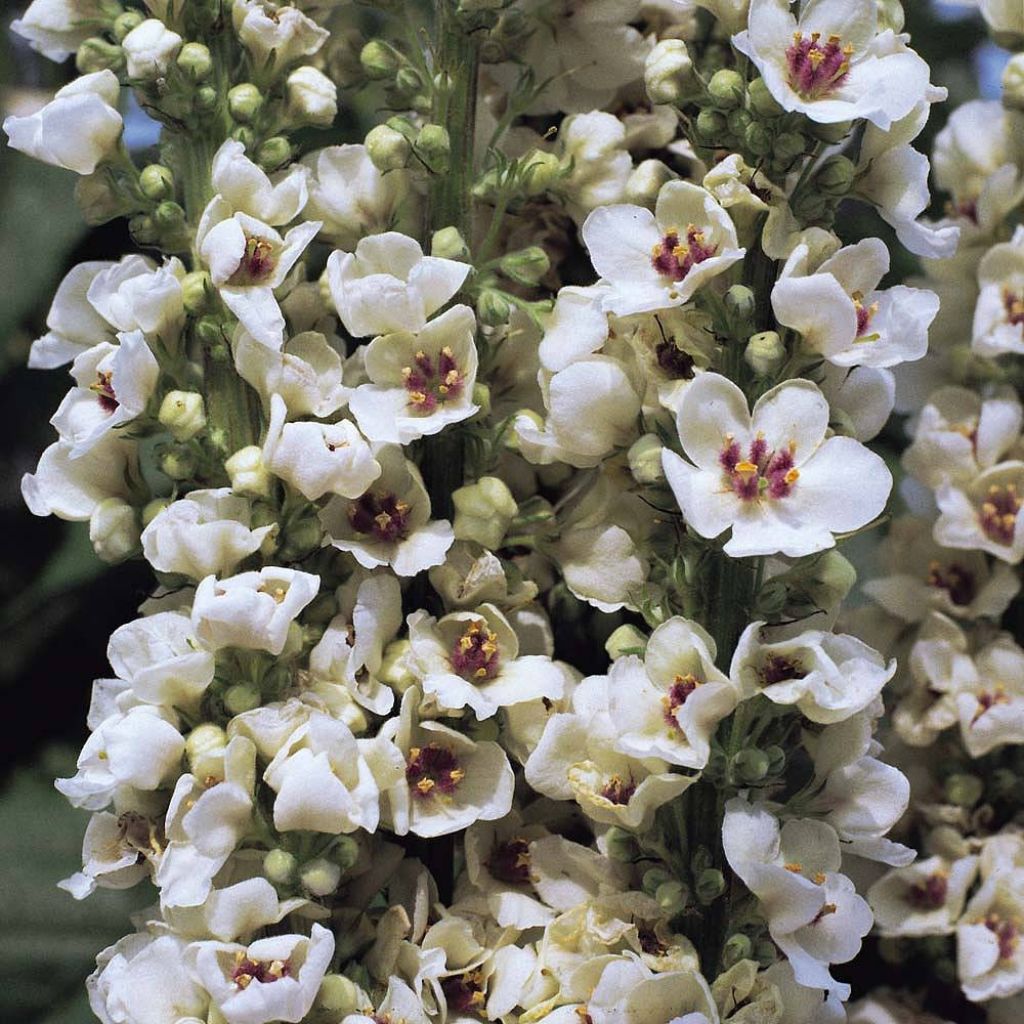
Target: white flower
990, 953
387, 284
841, 314
471, 659
117, 853
318, 458
149, 49
628, 991
390, 524
999, 314
205, 533
830, 64
926, 898
273, 979
593, 152
1005, 18
420, 382
56, 28
248, 260
656, 261
449, 781
135, 295
862, 398
276, 35
252, 610
77, 129
771, 475
247, 188
814, 913
982, 514
114, 384
73, 323
350, 196
828, 676
668, 705
312, 97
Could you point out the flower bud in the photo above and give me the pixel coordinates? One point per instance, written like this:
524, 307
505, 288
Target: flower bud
645, 459
312, 97
179, 463
183, 413
244, 102
738, 121
279, 866
620, 845
149, 49
711, 126
274, 152
98, 54
394, 667
776, 759
765, 353
771, 598
195, 61
156, 182
761, 101
448, 244
653, 878
668, 72
483, 511
126, 22
482, 398
737, 947
493, 308
727, 88
204, 751
1013, 83
197, 292
247, 472
835, 176
830, 133
206, 98
710, 885
338, 996
345, 852
434, 147
829, 579
379, 60
152, 509
758, 139
387, 148
890, 15
645, 182
625, 640
242, 697
672, 897
301, 537
527, 266
114, 530
788, 146
542, 171
740, 301
408, 81
750, 765
169, 216
964, 790
320, 876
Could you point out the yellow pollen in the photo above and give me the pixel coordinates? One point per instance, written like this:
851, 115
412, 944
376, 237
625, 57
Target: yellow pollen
819, 878
815, 57
447, 351
746, 467
417, 397
457, 774
792, 476
794, 866
681, 252
425, 785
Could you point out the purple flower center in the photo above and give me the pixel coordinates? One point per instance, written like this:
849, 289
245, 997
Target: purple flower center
674, 259
865, 314
957, 581
383, 516
510, 861
1014, 303
816, 70
257, 264
104, 390
1006, 932
679, 691
617, 790
430, 385
246, 970
464, 993
777, 668
999, 513
433, 769
475, 654
929, 894
763, 473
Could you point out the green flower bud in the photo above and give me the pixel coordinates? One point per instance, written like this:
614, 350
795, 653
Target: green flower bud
739, 121
964, 790
279, 866
830, 133
242, 697
245, 135
320, 876
765, 353
653, 878
765, 952
809, 206
206, 98
394, 668
672, 897
179, 463
124, 23
625, 640
204, 751
483, 511
338, 996
379, 60
300, 538
789, 145
98, 54
740, 301
152, 509
737, 947
835, 177
321, 609
197, 292
644, 458
493, 308
758, 139
408, 81
195, 61
156, 182
434, 148
727, 88
345, 852
621, 845
542, 171
527, 266
710, 885
776, 759
1013, 83
750, 765
645, 182
169, 215
482, 398
244, 102
247, 472
668, 72
761, 101
388, 149
890, 15
448, 244
771, 598
712, 126
183, 413
829, 580
274, 152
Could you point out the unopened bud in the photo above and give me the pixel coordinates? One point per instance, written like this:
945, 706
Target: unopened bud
758, 139
711, 126
274, 152
204, 751
242, 697
312, 97
482, 399
448, 244
197, 292
761, 101
830, 133
964, 790
829, 580
183, 413
727, 88
114, 530
620, 845
710, 885
483, 511
179, 463
394, 667
279, 866
244, 102
672, 897
379, 60
345, 852
338, 996
765, 353
776, 759
206, 98
541, 171
653, 878
625, 640
247, 472
434, 147
408, 81
890, 15
387, 148
750, 765
493, 308
644, 458
1013, 83
320, 876
156, 182
737, 947
169, 216
740, 301
126, 22
645, 182
100, 200
152, 509
195, 61
98, 54
835, 177
668, 72
527, 266
149, 49
788, 146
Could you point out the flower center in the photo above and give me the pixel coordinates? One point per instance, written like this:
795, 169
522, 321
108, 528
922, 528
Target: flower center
1006, 932
815, 69
674, 259
649, 941
246, 971
257, 263
865, 314
957, 581
681, 688
104, 391
510, 861
429, 385
777, 668
433, 769
674, 361
762, 473
999, 513
989, 699
475, 654
617, 790
274, 590
464, 993
384, 516
1014, 305
929, 894
138, 832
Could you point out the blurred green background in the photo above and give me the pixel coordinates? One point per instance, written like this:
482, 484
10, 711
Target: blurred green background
58, 604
